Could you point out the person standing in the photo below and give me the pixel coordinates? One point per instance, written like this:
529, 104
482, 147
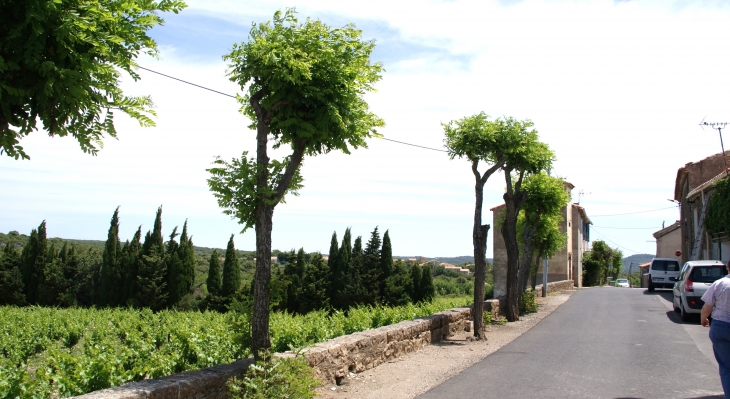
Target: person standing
717, 305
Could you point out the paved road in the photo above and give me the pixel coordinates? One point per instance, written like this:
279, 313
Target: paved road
602, 343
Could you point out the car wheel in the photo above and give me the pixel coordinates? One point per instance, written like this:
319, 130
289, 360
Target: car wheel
650, 288
684, 315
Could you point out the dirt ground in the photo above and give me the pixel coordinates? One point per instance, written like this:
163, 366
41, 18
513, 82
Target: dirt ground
417, 372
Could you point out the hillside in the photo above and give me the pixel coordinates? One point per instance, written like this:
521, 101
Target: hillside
636, 260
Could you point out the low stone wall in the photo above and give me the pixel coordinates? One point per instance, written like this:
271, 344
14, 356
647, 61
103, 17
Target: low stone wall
557, 286
332, 359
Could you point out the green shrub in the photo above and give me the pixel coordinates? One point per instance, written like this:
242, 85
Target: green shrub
528, 302
275, 377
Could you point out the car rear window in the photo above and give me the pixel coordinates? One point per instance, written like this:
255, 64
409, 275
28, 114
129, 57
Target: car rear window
668, 265
708, 274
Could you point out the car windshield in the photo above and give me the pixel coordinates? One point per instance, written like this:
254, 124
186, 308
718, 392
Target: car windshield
708, 274
668, 265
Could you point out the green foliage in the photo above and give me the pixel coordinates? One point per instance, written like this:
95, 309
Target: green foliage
276, 377
601, 263
717, 220
235, 187
426, 288
528, 302
313, 77
61, 64
397, 286
68, 352
231, 281
313, 292
214, 275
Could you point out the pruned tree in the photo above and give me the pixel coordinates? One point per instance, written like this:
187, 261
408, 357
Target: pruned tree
61, 63
304, 86
477, 139
524, 155
538, 222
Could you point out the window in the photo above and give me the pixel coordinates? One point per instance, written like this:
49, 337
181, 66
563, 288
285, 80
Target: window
708, 274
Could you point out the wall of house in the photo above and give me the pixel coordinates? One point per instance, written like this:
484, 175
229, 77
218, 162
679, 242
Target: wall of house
668, 244
580, 245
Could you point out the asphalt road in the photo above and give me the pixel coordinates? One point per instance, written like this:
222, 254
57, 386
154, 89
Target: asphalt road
602, 343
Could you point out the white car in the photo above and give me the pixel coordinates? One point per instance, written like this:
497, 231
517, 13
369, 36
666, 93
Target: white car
622, 282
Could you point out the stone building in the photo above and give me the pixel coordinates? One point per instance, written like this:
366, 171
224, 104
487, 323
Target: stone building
692, 190
566, 264
669, 241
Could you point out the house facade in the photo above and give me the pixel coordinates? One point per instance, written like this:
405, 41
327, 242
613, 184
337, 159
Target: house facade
566, 264
693, 188
669, 241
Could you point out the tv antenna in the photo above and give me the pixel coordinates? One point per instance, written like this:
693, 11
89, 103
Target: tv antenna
581, 193
717, 126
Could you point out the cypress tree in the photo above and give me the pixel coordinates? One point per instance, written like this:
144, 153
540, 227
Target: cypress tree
33, 261
111, 276
174, 276
63, 254
314, 285
397, 286
151, 291
354, 292
426, 287
371, 274
332, 266
301, 264
214, 275
231, 273
130, 266
187, 257
342, 271
415, 288
386, 257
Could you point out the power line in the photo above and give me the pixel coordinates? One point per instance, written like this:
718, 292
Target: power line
615, 243
185, 81
633, 213
228, 95
415, 145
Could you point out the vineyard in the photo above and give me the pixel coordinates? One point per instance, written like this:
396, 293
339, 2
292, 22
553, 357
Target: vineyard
50, 352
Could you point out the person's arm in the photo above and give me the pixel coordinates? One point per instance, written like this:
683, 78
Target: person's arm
706, 311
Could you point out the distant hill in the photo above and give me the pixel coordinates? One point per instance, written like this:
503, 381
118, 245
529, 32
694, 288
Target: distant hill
636, 260
457, 260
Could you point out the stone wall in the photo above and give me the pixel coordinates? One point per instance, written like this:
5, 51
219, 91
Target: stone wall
557, 286
332, 359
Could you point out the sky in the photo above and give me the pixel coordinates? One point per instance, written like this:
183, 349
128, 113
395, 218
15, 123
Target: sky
616, 88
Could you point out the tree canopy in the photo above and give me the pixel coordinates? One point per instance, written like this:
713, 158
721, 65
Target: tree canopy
61, 63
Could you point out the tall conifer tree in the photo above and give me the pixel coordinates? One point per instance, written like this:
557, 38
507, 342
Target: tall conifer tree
130, 266
111, 277
11, 280
214, 275
174, 276
151, 291
231, 273
354, 292
33, 261
339, 300
426, 287
333, 269
314, 285
415, 288
187, 257
371, 273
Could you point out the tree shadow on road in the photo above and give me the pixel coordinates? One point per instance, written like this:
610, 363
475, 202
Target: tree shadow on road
694, 397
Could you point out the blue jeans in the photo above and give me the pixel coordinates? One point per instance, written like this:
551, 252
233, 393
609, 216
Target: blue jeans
720, 337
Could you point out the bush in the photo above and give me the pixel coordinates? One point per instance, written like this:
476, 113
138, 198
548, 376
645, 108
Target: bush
528, 302
275, 377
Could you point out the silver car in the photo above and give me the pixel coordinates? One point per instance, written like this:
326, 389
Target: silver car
694, 279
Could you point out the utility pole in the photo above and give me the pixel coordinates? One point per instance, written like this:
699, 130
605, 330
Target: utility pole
544, 277
630, 264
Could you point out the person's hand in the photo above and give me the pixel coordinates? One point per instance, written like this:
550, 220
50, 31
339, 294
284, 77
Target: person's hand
705, 322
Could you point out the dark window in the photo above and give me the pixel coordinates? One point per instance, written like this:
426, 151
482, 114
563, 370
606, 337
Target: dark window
708, 274
668, 265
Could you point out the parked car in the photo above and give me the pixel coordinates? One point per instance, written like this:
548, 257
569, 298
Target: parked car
694, 279
622, 282
663, 273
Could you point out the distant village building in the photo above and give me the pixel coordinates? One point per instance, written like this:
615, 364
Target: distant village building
564, 265
669, 241
454, 268
693, 188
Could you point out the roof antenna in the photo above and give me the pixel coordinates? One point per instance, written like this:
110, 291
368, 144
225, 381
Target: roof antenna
717, 126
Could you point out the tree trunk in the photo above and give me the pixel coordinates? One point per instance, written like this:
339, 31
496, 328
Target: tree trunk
260, 323
509, 233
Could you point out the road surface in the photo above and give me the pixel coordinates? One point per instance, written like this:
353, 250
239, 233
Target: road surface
603, 343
